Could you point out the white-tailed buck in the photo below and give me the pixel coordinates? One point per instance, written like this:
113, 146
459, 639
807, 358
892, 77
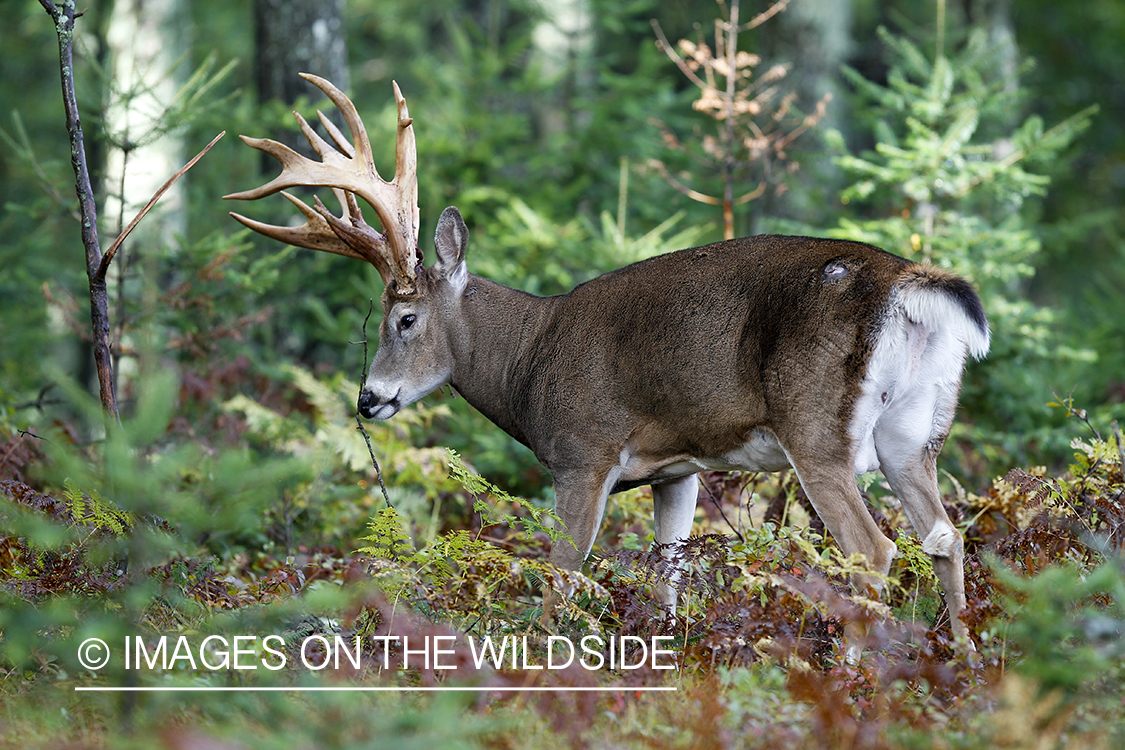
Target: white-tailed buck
831, 357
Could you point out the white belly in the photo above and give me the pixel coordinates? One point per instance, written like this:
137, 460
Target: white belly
761, 452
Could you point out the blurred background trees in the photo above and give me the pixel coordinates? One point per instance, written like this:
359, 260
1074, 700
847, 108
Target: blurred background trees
983, 135
541, 122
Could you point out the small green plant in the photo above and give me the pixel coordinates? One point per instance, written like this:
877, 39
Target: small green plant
533, 520
464, 576
89, 509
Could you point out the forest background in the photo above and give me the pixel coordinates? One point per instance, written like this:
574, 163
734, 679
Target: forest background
985, 136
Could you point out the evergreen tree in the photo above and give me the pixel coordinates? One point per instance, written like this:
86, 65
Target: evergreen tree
948, 183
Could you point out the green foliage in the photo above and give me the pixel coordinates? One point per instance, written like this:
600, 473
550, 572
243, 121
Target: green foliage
231, 497
386, 538
323, 434
1070, 630
914, 594
90, 509
462, 576
526, 248
533, 520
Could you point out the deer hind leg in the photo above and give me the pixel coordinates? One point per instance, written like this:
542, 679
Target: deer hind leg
832, 490
907, 441
673, 512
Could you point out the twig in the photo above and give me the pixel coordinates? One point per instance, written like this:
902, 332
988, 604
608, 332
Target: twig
766, 15
722, 513
695, 195
103, 267
1120, 445
358, 422
667, 48
41, 400
99, 308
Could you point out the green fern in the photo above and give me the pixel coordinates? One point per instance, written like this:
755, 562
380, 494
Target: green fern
89, 509
537, 519
461, 575
911, 557
387, 539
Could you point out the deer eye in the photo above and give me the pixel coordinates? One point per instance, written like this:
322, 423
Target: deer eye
406, 322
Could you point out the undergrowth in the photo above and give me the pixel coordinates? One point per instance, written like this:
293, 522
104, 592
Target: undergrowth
136, 540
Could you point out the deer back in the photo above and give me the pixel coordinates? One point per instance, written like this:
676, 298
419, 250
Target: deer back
688, 353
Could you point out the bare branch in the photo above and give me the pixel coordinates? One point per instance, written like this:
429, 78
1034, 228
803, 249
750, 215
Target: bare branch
666, 47
766, 15
808, 122
695, 195
359, 422
754, 194
103, 267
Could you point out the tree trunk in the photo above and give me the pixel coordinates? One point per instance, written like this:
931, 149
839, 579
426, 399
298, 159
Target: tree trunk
99, 315
563, 48
145, 39
298, 36
816, 37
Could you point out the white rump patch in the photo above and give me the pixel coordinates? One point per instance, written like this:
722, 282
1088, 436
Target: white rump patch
914, 373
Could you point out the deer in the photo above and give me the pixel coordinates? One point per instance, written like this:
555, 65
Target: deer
827, 356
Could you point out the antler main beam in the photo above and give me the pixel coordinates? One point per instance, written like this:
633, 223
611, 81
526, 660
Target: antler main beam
349, 169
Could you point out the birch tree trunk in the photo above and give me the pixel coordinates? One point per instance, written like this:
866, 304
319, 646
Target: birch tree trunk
145, 40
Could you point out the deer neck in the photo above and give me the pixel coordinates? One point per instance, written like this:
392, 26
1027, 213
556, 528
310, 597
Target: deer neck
497, 327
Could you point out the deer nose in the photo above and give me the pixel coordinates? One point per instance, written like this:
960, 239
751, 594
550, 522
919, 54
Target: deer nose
375, 406
367, 403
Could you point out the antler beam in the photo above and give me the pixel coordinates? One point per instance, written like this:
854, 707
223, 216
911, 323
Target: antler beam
349, 169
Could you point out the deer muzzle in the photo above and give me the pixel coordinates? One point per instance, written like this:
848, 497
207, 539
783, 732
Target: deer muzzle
372, 406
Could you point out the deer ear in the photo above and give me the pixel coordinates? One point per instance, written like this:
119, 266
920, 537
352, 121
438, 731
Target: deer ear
450, 240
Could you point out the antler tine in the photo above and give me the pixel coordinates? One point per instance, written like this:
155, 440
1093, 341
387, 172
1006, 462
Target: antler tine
406, 164
341, 141
323, 148
315, 233
360, 141
349, 168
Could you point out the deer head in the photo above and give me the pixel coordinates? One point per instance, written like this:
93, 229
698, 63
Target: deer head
418, 302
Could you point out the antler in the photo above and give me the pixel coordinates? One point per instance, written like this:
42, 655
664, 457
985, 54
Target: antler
349, 169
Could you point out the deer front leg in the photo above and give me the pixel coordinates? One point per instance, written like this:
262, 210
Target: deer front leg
673, 512
580, 498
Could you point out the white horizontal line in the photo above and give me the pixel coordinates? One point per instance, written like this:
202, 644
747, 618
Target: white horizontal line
358, 689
